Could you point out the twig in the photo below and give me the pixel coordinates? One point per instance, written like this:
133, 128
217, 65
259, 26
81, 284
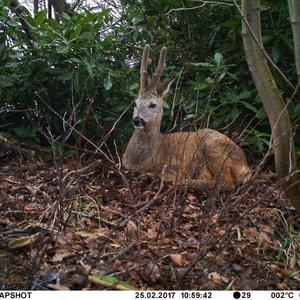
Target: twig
121, 253
73, 128
156, 197
12, 181
222, 238
199, 6
84, 169
185, 8
85, 215
126, 270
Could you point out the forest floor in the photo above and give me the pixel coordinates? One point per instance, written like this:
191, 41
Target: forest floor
90, 226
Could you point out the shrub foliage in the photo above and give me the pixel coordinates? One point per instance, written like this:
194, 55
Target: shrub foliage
84, 70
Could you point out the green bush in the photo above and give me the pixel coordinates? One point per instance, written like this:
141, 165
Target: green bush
86, 70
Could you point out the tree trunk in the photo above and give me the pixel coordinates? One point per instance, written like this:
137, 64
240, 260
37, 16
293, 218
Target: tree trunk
60, 7
35, 7
294, 8
274, 105
49, 10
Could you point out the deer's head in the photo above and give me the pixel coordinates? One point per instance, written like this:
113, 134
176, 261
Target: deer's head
148, 109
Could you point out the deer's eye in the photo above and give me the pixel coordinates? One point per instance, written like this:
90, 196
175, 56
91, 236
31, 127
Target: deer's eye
152, 105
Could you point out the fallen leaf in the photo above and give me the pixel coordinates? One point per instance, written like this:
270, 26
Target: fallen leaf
151, 234
131, 226
250, 232
267, 229
91, 234
177, 259
215, 219
151, 272
191, 197
23, 241
296, 276
282, 286
236, 267
293, 263
217, 278
33, 207
61, 255
58, 287
264, 238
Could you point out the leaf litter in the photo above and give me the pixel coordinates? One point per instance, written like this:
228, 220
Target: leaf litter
62, 229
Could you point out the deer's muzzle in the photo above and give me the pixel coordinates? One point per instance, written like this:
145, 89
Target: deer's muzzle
138, 122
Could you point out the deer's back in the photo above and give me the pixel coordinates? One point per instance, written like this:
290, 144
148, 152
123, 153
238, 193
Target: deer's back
207, 147
206, 141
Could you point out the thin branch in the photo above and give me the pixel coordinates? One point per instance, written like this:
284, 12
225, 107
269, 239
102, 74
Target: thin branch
185, 8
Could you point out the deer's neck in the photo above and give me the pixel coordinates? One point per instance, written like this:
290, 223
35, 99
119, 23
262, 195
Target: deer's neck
142, 151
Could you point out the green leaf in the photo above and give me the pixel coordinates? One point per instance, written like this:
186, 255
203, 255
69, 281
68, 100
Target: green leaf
109, 119
6, 2
221, 76
75, 59
244, 95
20, 131
202, 64
250, 106
189, 116
218, 57
85, 35
13, 23
26, 132
30, 21
66, 17
75, 33
209, 80
111, 282
200, 86
23, 241
107, 83
234, 113
288, 42
62, 49
276, 54
89, 67
134, 86
166, 105
5, 81
261, 114
104, 12
11, 64
41, 16
65, 76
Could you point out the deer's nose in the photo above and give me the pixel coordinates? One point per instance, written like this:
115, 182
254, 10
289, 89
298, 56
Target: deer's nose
138, 122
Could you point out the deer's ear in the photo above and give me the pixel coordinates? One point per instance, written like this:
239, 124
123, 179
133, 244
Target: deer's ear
164, 89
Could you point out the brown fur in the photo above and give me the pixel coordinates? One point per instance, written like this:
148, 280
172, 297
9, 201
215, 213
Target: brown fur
202, 158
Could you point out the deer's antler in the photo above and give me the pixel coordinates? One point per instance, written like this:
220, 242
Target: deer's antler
158, 71
144, 65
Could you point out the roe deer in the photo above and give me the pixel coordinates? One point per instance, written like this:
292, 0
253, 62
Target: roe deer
202, 158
